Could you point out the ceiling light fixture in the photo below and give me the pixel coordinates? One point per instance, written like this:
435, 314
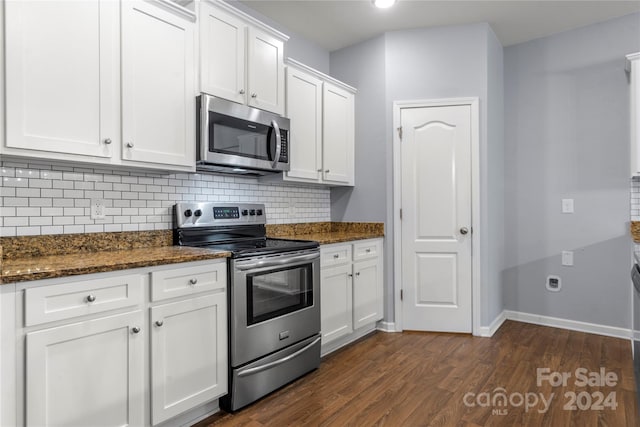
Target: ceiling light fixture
383, 4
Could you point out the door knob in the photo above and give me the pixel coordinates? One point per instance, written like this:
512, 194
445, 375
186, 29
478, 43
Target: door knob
464, 230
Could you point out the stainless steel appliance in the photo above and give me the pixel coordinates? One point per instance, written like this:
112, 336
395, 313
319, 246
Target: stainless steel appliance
237, 139
274, 296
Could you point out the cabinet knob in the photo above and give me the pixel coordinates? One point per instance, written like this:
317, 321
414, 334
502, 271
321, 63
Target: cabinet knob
254, 95
327, 171
193, 281
358, 274
319, 170
91, 298
135, 329
129, 144
349, 275
336, 256
159, 323
107, 141
241, 91
368, 250
464, 230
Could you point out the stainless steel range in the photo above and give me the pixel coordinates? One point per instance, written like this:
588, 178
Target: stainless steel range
274, 296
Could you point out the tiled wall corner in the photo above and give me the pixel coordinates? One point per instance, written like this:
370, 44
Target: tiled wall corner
39, 198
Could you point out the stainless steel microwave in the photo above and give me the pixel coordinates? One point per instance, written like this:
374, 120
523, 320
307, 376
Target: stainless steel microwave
237, 139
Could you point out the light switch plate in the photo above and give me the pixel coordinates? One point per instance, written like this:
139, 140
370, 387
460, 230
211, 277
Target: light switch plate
567, 258
567, 205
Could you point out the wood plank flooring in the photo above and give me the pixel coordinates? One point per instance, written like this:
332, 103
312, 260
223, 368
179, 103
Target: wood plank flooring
436, 379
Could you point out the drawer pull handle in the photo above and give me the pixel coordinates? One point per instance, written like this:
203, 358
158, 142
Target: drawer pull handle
336, 256
91, 298
193, 281
159, 323
135, 329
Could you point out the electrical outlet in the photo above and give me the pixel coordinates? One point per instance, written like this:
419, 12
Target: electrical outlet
553, 283
97, 209
567, 206
567, 258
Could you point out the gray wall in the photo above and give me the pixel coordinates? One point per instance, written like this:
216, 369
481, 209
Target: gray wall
297, 47
419, 64
567, 136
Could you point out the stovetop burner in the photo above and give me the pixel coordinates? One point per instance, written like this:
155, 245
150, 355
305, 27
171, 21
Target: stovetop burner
238, 228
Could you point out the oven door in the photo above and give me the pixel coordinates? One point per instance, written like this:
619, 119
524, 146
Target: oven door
275, 302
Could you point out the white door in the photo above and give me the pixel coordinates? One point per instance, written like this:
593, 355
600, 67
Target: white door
188, 354
265, 71
222, 53
158, 85
86, 374
61, 71
338, 135
304, 109
436, 218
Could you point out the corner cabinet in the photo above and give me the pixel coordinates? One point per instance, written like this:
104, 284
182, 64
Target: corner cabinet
102, 349
241, 59
351, 283
116, 87
321, 111
633, 66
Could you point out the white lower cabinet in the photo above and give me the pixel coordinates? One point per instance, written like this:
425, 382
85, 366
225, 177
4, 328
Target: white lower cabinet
107, 360
188, 354
86, 373
351, 284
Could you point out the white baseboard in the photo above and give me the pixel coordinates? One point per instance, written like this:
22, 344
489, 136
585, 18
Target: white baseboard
574, 325
386, 326
488, 331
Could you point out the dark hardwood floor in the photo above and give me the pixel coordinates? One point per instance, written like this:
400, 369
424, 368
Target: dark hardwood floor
436, 379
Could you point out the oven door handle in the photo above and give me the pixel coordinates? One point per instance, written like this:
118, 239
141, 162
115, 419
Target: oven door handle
269, 365
275, 263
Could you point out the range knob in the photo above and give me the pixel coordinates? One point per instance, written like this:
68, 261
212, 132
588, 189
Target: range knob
198, 212
252, 212
259, 212
245, 212
188, 213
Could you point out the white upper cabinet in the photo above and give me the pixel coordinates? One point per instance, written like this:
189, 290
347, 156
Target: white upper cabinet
322, 135
158, 85
338, 135
101, 81
304, 109
241, 59
634, 70
61, 77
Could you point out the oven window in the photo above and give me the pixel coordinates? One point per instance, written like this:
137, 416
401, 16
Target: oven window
230, 135
276, 292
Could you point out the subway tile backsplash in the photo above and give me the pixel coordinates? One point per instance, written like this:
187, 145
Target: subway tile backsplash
40, 198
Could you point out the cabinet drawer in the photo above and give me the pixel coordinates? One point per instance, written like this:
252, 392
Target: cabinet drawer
68, 300
336, 255
188, 280
365, 250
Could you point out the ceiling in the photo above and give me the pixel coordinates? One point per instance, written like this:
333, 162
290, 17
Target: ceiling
336, 24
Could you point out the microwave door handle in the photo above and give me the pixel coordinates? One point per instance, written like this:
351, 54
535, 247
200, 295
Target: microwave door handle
276, 158
205, 107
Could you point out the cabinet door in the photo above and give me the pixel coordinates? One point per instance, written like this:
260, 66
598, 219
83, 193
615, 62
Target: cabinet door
338, 135
367, 293
88, 373
336, 302
188, 354
222, 54
61, 76
635, 113
265, 66
304, 108
158, 85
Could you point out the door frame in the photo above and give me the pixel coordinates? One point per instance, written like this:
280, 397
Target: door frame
476, 234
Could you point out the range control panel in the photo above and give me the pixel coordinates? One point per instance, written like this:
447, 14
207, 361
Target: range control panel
206, 214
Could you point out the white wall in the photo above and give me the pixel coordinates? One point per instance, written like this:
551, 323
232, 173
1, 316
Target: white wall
431, 63
567, 136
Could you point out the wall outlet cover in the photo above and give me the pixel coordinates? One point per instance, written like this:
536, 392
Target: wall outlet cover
553, 283
567, 205
97, 209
